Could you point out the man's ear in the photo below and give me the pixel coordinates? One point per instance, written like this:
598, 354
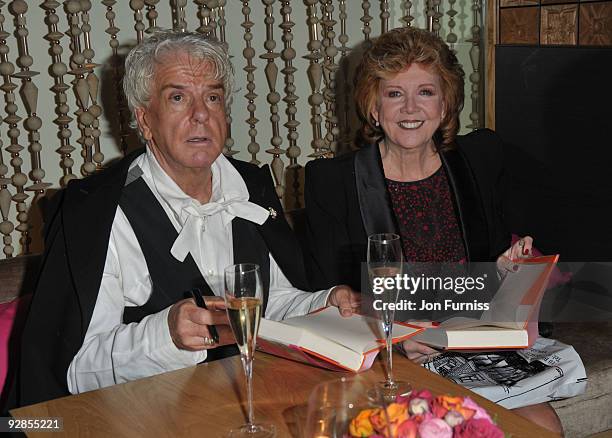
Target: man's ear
143, 125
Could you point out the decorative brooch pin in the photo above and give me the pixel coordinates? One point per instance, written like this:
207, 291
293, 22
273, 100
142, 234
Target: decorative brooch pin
272, 212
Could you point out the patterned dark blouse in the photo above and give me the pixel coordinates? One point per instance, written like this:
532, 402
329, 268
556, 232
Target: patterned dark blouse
426, 218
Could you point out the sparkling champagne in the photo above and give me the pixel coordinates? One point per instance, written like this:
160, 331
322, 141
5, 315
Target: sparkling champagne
244, 314
387, 294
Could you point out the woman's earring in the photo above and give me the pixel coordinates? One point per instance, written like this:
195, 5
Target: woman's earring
376, 123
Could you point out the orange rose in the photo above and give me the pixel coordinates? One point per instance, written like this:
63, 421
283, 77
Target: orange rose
361, 426
448, 403
467, 413
396, 414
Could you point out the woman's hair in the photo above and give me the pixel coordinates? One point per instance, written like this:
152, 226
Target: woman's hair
140, 63
392, 53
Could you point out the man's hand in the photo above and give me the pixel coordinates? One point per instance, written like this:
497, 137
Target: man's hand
345, 299
520, 249
417, 352
188, 324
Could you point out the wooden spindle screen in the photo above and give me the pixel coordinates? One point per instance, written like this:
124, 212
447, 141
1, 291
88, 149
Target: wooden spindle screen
64, 115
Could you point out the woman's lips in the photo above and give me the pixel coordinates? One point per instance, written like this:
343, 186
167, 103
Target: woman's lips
412, 124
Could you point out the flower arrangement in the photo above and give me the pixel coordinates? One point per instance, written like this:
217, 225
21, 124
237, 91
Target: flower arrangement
421, 415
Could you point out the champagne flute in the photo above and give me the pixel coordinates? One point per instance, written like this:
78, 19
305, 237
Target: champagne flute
385, 258
243, 300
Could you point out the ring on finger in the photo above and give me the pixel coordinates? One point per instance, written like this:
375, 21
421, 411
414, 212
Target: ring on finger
208, 341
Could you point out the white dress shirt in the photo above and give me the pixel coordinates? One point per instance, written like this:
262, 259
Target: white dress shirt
113, 352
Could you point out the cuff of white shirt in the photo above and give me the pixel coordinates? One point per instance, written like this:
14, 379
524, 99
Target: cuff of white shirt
166, 352
320, 299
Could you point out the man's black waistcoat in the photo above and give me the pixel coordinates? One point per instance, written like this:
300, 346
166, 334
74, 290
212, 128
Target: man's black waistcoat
170, 278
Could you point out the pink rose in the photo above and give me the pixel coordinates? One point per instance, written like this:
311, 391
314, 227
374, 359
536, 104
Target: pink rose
478, 428
438, 410
423, 393
378, 421
435, 428
418, 419
479, 411
407, 429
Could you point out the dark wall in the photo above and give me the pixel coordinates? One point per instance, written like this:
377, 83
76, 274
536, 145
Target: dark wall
553, 110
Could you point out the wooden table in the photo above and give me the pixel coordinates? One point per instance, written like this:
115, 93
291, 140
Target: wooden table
206, 400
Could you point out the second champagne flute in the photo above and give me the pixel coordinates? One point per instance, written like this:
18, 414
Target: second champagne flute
243, 300
385, 259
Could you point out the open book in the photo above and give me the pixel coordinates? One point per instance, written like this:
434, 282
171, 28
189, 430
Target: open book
326, 339
512, 318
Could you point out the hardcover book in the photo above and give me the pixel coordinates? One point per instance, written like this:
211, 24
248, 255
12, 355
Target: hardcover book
512, 319
328, 340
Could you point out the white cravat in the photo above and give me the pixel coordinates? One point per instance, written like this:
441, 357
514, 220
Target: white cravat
233, 205
229, 199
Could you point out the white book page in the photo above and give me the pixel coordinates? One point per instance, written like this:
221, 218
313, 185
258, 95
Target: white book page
358, 332
505, 309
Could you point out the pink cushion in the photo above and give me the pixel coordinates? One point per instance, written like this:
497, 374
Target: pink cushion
12, 315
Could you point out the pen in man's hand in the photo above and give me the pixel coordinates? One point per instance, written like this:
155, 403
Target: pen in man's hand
199, 299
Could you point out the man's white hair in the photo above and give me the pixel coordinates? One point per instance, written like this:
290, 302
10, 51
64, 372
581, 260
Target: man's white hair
142, 60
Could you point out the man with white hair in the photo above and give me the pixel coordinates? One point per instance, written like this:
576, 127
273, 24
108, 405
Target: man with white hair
124, 245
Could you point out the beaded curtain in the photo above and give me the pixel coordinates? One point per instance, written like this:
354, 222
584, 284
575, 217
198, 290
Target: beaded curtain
65, 117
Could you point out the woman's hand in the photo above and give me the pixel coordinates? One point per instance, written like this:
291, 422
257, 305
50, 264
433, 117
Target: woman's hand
345, 299
417, 352
520, 249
